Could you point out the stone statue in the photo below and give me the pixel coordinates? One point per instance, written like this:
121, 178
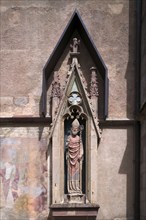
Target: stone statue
75, 45
74, 156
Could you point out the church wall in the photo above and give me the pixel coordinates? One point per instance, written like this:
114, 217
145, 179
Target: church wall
30, 30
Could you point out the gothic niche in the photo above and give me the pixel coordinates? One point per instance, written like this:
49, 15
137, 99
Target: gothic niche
74, 136
74, 129
75, 96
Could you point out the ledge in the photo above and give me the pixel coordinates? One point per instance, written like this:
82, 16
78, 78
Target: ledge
25, 120
74, 209
117, 122
48, 120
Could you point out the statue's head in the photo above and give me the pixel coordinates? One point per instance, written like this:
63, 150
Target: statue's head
75, 128
75, 40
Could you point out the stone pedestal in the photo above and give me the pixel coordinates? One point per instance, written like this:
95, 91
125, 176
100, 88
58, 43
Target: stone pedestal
74, 58
74, 209
75, 198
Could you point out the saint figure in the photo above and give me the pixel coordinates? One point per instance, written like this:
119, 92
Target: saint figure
74, 158
75, 45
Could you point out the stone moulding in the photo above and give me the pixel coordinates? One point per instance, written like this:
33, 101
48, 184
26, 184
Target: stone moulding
74, 209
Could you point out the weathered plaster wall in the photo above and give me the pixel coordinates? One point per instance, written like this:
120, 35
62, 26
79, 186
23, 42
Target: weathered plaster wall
30, 30
23, 171
115, 178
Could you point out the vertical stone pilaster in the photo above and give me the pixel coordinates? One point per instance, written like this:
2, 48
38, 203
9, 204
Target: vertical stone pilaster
56, 158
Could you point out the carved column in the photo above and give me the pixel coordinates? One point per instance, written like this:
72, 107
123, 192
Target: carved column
56, 93
94, 89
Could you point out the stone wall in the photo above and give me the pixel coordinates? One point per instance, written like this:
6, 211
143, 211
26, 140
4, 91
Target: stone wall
30, 29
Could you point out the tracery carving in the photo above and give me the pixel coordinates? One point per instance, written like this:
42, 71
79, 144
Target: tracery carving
74, 98
74, 109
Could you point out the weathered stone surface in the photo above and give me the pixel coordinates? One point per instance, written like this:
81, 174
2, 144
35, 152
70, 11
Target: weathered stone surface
6, 101
21, 101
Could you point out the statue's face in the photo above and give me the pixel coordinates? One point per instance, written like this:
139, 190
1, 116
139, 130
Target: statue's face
75, 39
74, 130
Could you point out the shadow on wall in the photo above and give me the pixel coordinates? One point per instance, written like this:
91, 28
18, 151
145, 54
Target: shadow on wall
130, 71
128, 162
130, 75
127, 168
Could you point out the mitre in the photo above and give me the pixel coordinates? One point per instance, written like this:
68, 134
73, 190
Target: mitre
75, 123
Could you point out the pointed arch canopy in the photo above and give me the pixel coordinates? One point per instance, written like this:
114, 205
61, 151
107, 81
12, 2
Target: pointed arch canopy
75, 23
